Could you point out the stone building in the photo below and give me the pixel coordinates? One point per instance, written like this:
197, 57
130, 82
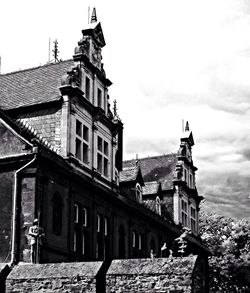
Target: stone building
61, 161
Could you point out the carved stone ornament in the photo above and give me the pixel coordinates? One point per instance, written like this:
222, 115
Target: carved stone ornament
83, 46
178, 172
73, 77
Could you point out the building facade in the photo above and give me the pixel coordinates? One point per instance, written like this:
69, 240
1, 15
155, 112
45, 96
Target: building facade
61, 161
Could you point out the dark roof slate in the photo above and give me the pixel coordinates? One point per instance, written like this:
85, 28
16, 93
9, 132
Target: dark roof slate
129, 174
32, 86
160, 168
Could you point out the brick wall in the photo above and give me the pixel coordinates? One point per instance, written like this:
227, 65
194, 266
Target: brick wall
47, 123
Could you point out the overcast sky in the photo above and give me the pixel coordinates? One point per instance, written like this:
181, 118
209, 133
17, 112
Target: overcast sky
168, 61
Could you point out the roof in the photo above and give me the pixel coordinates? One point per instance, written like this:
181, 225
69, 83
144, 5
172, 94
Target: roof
150, 204
129, 174
160, 168
150, 188
32, 86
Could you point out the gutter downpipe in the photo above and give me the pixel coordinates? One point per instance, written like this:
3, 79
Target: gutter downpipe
14, 220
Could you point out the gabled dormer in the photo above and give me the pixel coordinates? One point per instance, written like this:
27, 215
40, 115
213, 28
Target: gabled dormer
131, 182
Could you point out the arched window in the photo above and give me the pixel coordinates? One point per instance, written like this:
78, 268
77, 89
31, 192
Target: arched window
57, 214
158, 205
138, 192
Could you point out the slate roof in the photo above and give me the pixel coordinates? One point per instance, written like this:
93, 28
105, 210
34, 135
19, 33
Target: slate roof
160, 168
32, 86
150, 204
150, 188
129, 174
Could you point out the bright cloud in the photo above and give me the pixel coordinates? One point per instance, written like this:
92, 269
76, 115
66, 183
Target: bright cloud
169, 60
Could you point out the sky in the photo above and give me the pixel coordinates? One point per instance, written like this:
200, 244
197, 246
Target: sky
168, 60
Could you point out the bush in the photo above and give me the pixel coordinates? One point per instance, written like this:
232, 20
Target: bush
229, 241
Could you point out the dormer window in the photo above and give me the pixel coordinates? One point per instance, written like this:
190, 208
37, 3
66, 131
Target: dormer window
138, 192
158, 205
82, 142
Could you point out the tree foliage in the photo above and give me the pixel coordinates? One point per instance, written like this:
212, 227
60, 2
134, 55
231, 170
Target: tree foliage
229, 241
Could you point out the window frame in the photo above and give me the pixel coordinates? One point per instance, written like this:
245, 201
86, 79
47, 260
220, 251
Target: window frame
184, 212
103, 156
82, 141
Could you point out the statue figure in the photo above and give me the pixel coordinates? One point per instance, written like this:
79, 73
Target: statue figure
36, 234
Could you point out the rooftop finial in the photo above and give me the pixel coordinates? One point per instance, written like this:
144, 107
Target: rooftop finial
56, 51
187, 126
93, 16
115, 110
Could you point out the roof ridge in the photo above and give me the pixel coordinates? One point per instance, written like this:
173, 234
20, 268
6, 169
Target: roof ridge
34, 68
152, 157
31, 130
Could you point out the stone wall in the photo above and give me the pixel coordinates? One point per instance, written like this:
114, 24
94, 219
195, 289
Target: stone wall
61, 277
155, 275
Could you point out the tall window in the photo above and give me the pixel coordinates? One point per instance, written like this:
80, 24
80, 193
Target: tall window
139, 241
102, 156
76, 213
83, 243
158, 205
184, 213
193, 219
99, 98
57, 214
74, 241
105, 227
98, 223
87, 88
138, 192
82, 142
133, 239
84, 217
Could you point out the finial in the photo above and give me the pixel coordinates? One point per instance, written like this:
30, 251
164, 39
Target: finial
115, 110
187, 126
56, 51
93, 16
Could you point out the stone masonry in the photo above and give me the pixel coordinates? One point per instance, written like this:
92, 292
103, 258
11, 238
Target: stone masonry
61, 277
155, 275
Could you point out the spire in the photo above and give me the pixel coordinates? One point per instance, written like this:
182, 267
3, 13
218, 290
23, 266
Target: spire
93, 16
187, 126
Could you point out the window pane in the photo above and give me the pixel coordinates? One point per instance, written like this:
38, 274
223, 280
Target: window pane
85, 153
99, 98
106, 148
78, 148
78, 128
105, 171
84, 217
76, 213
85, 133
105, 226
99, 144
98, 224
99, 163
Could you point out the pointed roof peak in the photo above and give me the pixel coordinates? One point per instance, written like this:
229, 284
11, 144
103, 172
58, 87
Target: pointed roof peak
93, 16
187, 126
